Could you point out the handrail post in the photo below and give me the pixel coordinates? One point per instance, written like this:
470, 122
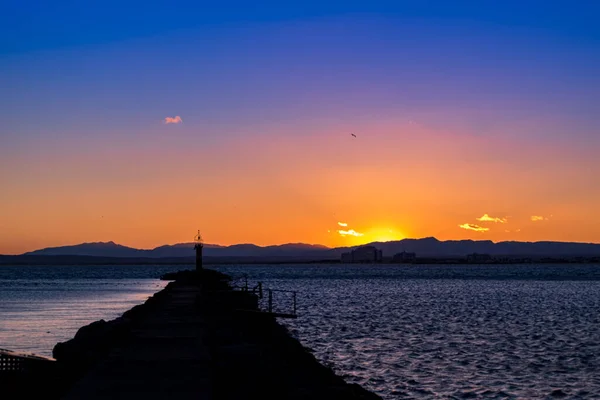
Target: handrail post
260, 292
270, 300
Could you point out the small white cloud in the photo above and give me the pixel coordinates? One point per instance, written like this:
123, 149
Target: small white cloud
350, 232
173, 120
536, 218
473, 227
342, 224
487, 218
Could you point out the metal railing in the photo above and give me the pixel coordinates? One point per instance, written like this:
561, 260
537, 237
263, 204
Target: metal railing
239, 282
11, 361
270, 306
273, 303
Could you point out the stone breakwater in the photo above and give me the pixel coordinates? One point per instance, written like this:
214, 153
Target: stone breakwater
197, 338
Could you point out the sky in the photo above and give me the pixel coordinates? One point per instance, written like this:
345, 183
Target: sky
142, 122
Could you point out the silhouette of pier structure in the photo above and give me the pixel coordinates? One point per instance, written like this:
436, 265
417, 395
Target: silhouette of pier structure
198, 339
278, 302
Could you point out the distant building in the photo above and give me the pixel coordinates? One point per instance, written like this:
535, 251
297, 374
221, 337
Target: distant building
404, 257
479, 258
363, 254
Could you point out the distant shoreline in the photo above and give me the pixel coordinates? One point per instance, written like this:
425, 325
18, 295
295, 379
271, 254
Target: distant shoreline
189, 261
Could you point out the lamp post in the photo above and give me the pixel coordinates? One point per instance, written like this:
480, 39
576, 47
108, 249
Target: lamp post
198, 247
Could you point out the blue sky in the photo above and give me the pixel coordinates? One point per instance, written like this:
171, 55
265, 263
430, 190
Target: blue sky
101, 67
34, 25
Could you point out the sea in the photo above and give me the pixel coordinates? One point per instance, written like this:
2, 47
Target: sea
413, 331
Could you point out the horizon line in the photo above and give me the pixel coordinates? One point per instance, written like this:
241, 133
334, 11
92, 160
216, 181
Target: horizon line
294, 243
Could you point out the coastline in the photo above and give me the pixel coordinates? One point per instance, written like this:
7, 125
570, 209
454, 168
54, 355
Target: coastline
189, 261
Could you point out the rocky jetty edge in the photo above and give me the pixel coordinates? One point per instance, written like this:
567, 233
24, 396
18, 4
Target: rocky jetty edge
196, 338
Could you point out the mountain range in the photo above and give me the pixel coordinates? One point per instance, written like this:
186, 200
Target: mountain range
425, 247
112, 249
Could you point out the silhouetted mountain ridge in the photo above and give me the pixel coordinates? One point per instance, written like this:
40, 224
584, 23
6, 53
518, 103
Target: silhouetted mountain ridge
111, 249
95, 249
424, 247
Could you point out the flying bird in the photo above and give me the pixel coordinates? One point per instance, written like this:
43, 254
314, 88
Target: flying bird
353, 134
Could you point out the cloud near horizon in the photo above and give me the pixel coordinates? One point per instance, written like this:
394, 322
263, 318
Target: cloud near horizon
350, 232
342, 224
487, 218
173, 120
473, 227
536, 218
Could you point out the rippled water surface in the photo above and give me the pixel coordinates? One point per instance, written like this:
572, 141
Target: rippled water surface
452, 331
401, 331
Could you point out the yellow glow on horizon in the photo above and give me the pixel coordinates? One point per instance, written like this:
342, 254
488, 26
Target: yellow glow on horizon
376, 235
385, 235
385, 239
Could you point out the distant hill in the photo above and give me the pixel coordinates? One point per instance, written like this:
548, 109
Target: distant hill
300, 252
111, 249
95, 249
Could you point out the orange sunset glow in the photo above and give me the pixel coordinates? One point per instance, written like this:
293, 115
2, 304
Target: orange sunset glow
395, 180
